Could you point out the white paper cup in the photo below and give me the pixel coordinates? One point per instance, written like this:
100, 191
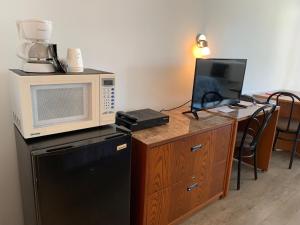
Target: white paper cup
74, 60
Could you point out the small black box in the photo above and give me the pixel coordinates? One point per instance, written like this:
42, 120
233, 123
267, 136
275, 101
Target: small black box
141, 119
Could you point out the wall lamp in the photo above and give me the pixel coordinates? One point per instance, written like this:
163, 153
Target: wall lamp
200, 50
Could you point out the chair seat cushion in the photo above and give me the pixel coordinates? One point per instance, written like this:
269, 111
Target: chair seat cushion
282, 125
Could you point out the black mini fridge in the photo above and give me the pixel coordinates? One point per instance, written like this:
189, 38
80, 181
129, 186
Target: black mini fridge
78, 178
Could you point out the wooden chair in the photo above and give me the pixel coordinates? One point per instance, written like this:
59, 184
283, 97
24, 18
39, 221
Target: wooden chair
248, 139
289, 124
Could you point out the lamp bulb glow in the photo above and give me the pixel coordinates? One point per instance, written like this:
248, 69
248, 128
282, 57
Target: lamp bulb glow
200, 52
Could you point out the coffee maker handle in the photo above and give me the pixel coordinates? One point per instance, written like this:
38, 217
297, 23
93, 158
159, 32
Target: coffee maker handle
21, 50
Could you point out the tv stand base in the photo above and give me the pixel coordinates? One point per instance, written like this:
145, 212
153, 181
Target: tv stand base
194, 112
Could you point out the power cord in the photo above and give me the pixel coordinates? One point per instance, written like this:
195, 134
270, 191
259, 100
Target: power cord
167, 110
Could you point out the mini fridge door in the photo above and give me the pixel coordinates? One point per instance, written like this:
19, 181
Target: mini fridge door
84, 183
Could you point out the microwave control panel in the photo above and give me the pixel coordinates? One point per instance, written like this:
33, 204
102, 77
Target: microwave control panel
108, 93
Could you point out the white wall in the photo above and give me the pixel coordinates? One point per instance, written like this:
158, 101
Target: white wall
147, 43
292, 74
261, 31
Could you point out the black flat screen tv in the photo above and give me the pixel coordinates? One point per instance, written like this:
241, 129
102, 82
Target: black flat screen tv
217, 82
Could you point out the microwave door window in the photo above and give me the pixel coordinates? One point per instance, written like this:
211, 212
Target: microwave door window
60, 103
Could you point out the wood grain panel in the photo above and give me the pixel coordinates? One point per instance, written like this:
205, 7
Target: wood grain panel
157, 208
158, 168
216, 184
180, 161
222, 149
200, 158
200, 194
186, 195
285, 109
180, 200
184, 163
171, 203
287, 145
265, 145
201, 165
221, 140
229, 162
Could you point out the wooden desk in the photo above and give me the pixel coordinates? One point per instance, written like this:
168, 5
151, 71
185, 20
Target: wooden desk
265, 95
264, 149
180, 167
284, 112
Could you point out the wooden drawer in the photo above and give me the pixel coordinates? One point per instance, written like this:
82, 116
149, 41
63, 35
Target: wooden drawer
185, 196
200, 194
190, 156
171, 163
168, 204
180, 198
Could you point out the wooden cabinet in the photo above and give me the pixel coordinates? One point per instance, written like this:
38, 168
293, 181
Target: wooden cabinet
173, 177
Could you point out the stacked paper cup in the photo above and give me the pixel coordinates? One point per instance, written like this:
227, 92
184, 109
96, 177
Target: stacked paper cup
74, 60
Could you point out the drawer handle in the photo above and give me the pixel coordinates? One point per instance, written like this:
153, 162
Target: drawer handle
197, 148
193, 186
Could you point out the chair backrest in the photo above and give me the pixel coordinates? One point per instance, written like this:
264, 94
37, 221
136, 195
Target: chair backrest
256, 125
277, 96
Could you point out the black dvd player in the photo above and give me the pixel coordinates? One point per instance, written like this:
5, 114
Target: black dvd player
141, 119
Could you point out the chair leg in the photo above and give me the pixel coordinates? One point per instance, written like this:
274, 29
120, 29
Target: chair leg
293, 152
255, 165
239, 170
275, 140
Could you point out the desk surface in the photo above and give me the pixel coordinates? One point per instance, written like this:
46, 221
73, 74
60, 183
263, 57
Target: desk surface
181, 125
238, 114
265, 95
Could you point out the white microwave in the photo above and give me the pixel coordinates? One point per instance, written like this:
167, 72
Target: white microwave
47, 104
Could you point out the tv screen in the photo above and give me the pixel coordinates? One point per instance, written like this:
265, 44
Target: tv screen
217, 82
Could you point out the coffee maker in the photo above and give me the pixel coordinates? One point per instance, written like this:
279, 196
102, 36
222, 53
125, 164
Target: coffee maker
35, 50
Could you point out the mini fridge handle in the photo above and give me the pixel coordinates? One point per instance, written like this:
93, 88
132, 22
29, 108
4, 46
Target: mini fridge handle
67, 147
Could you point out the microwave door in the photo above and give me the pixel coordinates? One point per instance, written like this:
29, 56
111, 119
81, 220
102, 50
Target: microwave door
60, 103
87, 183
